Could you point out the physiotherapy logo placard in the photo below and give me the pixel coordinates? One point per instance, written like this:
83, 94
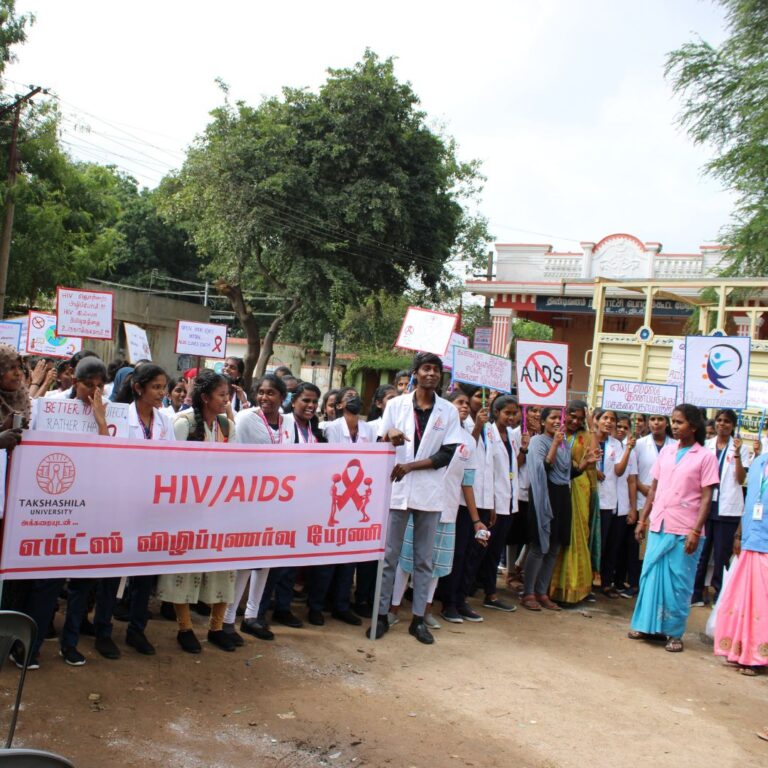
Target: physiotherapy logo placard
717, 371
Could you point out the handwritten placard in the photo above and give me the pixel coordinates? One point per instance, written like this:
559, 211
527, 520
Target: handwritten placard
74, 416
639, 397
481, 369
676, 371
10, 334
201, 339
425, 330
42, 339
483, 338
137, 343
457, 340
86, 314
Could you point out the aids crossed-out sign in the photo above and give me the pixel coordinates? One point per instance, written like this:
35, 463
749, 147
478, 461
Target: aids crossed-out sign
542, 373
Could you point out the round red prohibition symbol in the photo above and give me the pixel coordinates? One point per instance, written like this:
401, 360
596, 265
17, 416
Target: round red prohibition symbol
547, 385
38, 322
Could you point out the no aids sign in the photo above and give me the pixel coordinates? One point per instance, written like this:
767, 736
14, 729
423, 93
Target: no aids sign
542, 373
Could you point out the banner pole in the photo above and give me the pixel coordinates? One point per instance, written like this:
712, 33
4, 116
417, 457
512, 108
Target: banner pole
376, 598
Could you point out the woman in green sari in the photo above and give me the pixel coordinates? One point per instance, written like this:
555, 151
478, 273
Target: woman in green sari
572, 577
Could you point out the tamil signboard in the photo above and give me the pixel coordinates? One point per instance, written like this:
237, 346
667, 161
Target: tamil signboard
639, 397
481, 369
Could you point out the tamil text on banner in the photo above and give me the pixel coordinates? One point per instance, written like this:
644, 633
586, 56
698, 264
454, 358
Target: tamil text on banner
542, 373
96, 506
717, 371
52, 414
482, 369
85, 314
483, 339
10, 333
676, 370
201, 339
639, 397
457, 340
43, 341
425, 330
137, 343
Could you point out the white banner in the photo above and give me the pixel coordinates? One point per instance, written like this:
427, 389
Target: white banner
717, 371
87, 314
483, 339
96, 506
43, 341
676, 371
51, 414
137, 343
10, 333
757, 395
639, 397
481, 369
457, 340
201, 339
542, 373
425, 330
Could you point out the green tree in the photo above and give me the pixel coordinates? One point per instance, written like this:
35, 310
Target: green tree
725, 104
309, 203
13, 30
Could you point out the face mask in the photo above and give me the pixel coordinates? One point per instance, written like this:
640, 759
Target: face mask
354, 405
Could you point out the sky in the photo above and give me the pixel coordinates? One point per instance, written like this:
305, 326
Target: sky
564, 101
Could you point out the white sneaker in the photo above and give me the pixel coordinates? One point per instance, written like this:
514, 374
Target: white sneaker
432, 622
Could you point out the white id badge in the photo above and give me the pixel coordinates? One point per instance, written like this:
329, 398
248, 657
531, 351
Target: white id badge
757, 512
715, 494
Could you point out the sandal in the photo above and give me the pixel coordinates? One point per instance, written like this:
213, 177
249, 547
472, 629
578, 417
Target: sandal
748, 671
545, 602
633, 634
611, 592
674, 645
531, 603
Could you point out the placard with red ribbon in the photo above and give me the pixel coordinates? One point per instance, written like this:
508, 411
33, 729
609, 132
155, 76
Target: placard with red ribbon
201, 339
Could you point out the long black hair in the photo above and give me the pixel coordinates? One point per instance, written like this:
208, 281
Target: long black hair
543, 416
375, 412
692, 414
89, 367
141, 376
206, 382
500, 402
314, 422
274, 381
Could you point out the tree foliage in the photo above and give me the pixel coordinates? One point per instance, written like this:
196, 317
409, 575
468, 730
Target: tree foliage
308, 203
13, 30
725, 104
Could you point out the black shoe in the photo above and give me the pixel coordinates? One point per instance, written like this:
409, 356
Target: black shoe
51, 633
363, 609
236, 639
87, 629
202, 609
107, 648
221, 639
138, 641
347, 617
420, 631
381, 628
167, 611
257, 628
316, 618
72, 656
287, 618
17, 657
188, 642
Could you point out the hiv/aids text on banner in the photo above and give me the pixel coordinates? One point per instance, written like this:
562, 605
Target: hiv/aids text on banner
51, 414
481, 369
717, 371
457, 340
43, 341
425, 330
483, 339
86, 314
181, 507
639, 397
542, 373
10, 333
137, 343
201, 339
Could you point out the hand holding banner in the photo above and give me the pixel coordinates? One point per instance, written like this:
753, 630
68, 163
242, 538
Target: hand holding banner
425, 330
201, 339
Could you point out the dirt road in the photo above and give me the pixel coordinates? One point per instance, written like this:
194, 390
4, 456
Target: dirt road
536, 690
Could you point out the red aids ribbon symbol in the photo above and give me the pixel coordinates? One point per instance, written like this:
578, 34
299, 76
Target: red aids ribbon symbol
217, 342
351, 484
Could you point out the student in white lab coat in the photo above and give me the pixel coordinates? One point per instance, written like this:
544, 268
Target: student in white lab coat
628, 563
425, 430
727, 503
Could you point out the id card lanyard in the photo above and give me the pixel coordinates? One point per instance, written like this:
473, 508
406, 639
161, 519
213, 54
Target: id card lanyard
720, 468
757, 510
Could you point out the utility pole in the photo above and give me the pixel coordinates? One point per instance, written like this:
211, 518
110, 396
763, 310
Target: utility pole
5, 239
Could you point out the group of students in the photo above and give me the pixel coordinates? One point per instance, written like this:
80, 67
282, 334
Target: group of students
562, 497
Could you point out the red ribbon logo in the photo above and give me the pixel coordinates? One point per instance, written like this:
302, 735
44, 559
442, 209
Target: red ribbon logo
351, 483
217, 342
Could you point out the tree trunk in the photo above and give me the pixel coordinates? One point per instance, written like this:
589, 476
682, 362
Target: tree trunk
270, 336
250, 325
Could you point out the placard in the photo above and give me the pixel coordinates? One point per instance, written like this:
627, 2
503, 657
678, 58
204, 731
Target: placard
137, 343
471, 366
676, 371
542, 373
98, 506
639, 397
717, 371
10, 334
87, 314
757, 394
201, 339
483, 339
457, 340
43, 341
425, 330
53, 414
